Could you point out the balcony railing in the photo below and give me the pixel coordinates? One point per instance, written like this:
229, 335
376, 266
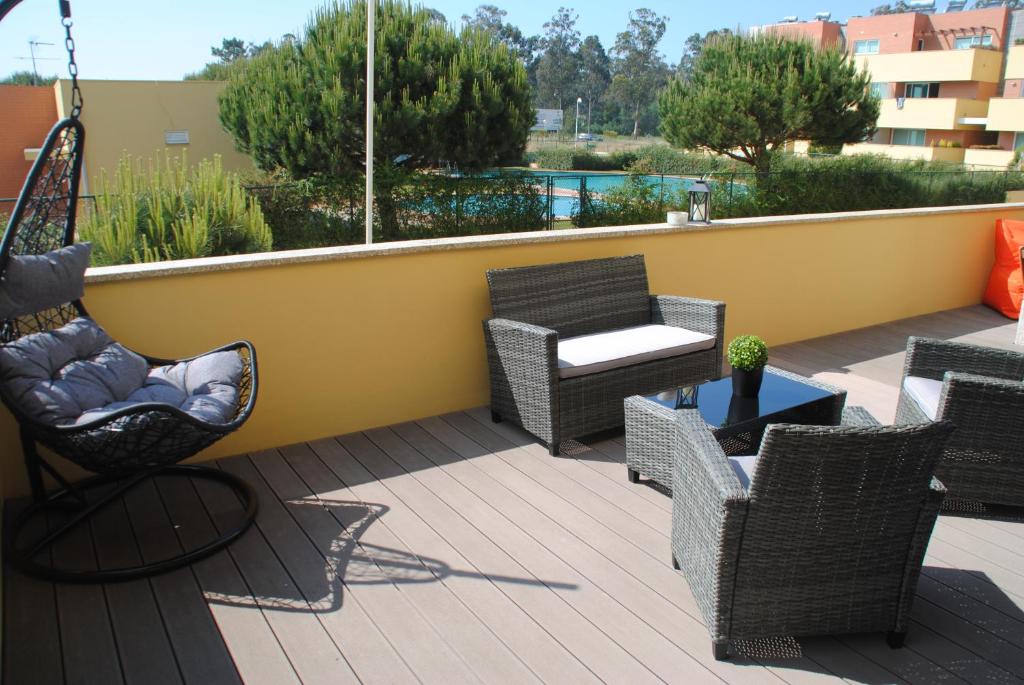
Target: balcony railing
931, 113
976, 64
1005, 114
909, 152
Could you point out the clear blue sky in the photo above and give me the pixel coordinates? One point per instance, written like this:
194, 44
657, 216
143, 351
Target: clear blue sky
149, 40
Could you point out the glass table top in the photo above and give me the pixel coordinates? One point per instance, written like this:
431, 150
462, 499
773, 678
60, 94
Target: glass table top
721, 409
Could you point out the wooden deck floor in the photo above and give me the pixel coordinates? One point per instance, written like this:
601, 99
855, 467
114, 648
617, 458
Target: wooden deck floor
453, 550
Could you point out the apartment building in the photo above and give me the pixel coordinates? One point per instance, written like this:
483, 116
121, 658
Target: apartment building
937, 74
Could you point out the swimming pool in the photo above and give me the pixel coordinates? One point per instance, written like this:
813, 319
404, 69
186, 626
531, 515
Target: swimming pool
563, 206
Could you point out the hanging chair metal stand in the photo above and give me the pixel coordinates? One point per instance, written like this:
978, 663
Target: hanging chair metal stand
21, 551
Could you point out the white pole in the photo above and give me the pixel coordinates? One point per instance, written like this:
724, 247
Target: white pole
577, 136
371, 33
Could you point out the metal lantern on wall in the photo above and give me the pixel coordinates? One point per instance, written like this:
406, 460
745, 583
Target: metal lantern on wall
700, 203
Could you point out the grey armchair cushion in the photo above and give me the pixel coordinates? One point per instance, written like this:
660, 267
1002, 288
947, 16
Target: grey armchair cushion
34, 283
77, 373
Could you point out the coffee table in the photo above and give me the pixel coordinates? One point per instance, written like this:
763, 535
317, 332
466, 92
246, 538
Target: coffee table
737, 423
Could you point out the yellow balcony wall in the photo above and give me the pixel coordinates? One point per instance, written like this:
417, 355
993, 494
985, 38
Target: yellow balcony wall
931, 113
1005, 114
925, 152
1015, 62
355, 337
934, 65
988, 159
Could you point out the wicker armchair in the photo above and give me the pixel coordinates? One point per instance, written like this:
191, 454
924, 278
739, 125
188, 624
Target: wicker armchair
981, 391
827, 538
539, 309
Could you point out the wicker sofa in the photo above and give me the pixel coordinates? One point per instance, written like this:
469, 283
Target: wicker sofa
981, 391
568, 342
823, 532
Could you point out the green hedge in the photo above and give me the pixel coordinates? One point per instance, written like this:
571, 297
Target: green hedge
798, 185
321, 214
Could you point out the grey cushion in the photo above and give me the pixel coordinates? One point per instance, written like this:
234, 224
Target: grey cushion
925, 392
77, 373
34, 283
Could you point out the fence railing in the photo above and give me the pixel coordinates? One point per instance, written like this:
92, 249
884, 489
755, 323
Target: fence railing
315, 215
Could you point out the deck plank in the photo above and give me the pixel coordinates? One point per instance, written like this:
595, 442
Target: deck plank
411, 536
30, 614
397, 593
143, 644
606, 657
246, 634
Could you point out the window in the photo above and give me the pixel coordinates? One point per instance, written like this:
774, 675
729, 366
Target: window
908, 136
920, 44
865, 47
1018, 140
880, 90
984, 40
921, 90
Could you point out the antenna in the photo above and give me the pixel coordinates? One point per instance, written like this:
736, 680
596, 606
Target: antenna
32, 51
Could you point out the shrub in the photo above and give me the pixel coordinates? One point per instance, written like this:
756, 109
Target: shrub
304, 214
825, 149
662, 159
172, 211
637, 201
747, 352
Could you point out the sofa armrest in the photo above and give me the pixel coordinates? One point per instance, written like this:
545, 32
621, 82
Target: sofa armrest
523, 364
703, 316
931, 358
990, 409
709, 507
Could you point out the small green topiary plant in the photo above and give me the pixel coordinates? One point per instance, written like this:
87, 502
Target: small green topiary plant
748, 352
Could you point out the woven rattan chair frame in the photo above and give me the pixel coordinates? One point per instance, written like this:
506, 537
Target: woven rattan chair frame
124, 447
534, 306
983, 395
829, 538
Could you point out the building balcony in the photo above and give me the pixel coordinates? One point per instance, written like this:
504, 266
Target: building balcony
911, 152
947, 114
976, 64
1015, 62
1005, 114
988, 159
427, 544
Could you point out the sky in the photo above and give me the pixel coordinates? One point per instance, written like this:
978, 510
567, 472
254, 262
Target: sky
122, 39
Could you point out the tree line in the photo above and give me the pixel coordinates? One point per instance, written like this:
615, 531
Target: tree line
617, 87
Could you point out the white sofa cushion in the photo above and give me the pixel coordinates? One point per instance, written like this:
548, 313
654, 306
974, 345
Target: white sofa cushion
925, 392
585, 354
744, 468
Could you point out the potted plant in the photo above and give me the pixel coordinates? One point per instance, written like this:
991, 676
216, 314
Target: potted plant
748, 355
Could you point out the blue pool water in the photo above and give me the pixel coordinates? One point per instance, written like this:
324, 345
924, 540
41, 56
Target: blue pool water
597, 183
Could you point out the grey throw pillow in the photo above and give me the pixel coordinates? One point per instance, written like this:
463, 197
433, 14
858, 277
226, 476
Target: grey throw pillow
34, 283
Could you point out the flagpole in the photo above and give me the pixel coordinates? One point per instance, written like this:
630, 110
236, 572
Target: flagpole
371, 33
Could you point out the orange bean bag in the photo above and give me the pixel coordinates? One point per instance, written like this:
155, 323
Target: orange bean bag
1006, 283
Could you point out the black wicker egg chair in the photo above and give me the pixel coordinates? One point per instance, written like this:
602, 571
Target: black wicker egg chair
137, 416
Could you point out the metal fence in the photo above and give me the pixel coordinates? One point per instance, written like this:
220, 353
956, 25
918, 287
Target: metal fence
306, 215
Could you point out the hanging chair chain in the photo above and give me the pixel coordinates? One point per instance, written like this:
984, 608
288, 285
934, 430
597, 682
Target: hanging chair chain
69, 42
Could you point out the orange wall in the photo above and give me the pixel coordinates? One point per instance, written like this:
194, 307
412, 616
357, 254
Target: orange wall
975, 90
900, 32
994, 18
28, 114
895, 32
822, 33
1013, 88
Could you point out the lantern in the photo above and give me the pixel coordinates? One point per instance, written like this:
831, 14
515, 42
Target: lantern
700, 203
